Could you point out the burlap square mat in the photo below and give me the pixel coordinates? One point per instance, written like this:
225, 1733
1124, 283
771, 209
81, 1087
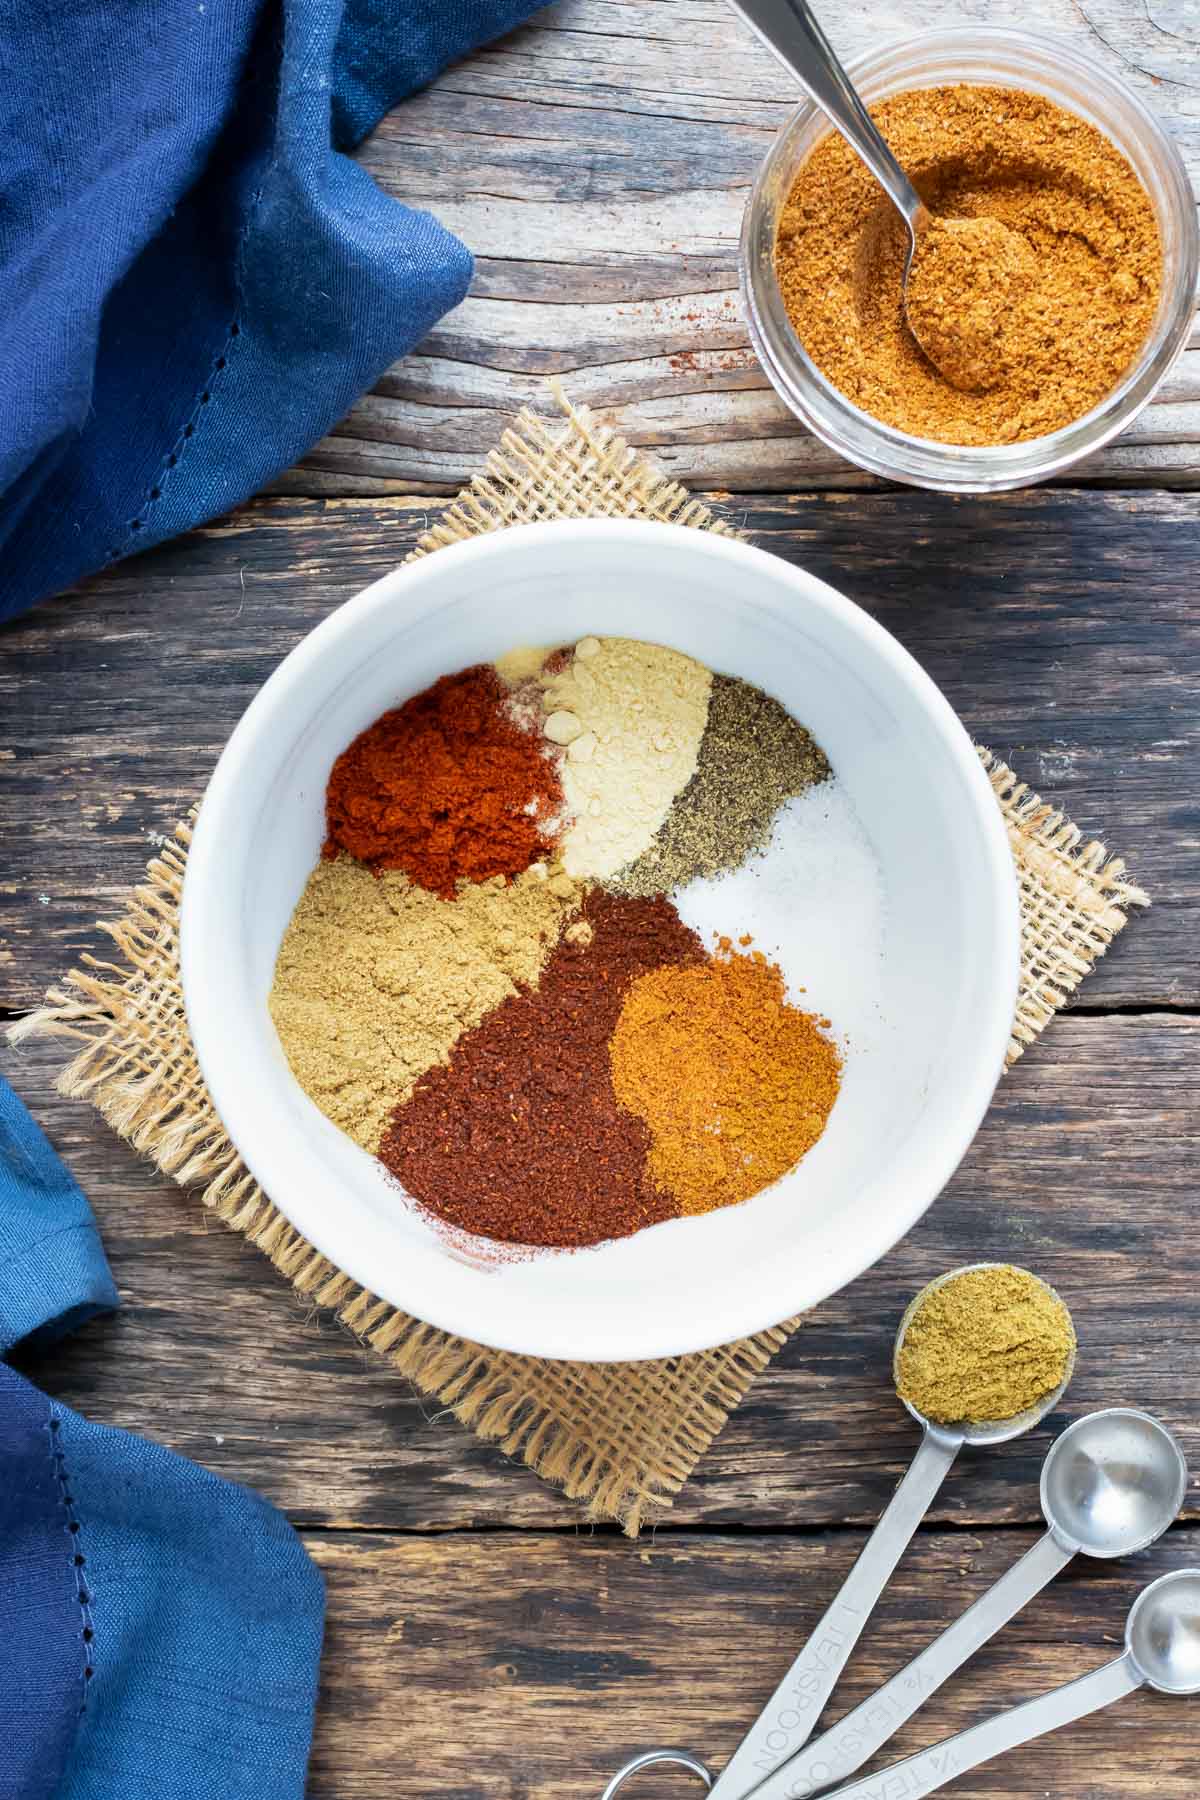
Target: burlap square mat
620, 1438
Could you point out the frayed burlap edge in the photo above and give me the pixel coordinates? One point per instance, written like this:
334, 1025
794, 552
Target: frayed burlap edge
1074, 901
620, 1438
571, 469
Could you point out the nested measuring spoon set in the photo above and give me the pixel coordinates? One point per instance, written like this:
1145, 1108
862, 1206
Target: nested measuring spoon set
1111, 1485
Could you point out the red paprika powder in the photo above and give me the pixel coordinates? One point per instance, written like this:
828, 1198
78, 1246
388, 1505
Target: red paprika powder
519, 1137
445, 787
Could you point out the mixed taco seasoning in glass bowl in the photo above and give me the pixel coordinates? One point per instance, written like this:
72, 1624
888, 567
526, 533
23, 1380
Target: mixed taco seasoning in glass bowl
1080, 305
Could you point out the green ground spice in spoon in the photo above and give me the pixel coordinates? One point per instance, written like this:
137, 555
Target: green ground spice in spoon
984, 1346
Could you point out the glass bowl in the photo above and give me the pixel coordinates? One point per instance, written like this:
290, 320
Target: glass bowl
1001, 58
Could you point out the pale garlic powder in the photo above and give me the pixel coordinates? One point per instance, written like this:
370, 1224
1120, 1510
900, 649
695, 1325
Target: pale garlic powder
629, 718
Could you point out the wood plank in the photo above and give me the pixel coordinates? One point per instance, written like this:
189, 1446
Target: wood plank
598, 163
712, 420
510, 1665
1084, 1170
1064, 626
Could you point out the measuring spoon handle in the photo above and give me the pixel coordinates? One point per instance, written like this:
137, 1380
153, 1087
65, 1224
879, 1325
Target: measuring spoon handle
844, 1748
931, 1769
788, 28
785, 1723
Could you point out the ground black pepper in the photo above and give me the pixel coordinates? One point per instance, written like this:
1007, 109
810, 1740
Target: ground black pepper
519, 1136
753, 758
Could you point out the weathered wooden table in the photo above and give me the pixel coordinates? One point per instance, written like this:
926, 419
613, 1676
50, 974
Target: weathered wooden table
481, 1644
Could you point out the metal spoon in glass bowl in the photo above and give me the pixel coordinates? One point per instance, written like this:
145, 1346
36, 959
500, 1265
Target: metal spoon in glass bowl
786, 1722
960, 341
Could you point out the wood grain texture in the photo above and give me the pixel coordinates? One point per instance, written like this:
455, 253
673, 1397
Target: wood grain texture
510, 1667
598, 163
528, 1657
1084, 1170
1063, 626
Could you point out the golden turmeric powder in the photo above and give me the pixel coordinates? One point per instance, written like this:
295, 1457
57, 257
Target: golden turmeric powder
752, 1078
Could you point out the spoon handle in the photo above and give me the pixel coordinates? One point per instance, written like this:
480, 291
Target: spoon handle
789, 29
844, 1748
785, 1722
931, 1769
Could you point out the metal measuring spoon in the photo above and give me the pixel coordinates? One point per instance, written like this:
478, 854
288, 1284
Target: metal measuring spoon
1162, 1651
786, 1722
788, 28
648, 1758
1111, 1484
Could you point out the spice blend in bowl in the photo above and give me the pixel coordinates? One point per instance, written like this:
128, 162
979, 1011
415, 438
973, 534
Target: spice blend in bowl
864, 396
1034, 290
885, 896
487, 981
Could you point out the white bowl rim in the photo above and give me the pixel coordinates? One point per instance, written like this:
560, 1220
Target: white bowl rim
729, 1314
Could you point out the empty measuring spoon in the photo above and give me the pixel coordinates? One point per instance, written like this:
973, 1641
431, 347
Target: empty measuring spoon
1111, 1484
786, 1722
1162, 1650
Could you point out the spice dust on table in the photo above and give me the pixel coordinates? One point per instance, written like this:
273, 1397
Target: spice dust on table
546, 883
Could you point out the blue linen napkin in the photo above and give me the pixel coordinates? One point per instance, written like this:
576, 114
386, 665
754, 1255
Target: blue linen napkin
160, 1629
196, 281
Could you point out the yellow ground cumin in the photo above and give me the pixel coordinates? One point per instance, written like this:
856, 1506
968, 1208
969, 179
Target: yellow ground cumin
377, 978
984, 1346
1037, 325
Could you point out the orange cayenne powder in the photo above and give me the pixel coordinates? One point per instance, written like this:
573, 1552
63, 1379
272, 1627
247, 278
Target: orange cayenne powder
446, 787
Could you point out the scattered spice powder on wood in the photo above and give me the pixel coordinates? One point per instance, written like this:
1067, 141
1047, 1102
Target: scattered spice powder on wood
1087, 295
446, 787
753, 758
984, 1346
519, 1137
376, 978
734, 1083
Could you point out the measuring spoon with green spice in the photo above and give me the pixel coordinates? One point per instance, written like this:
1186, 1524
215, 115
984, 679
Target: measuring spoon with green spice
786, 1722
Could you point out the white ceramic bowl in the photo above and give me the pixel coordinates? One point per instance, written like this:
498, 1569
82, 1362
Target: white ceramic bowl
949, 971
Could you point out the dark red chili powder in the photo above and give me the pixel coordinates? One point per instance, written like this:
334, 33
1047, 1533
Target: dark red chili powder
444, 787
519, 1137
